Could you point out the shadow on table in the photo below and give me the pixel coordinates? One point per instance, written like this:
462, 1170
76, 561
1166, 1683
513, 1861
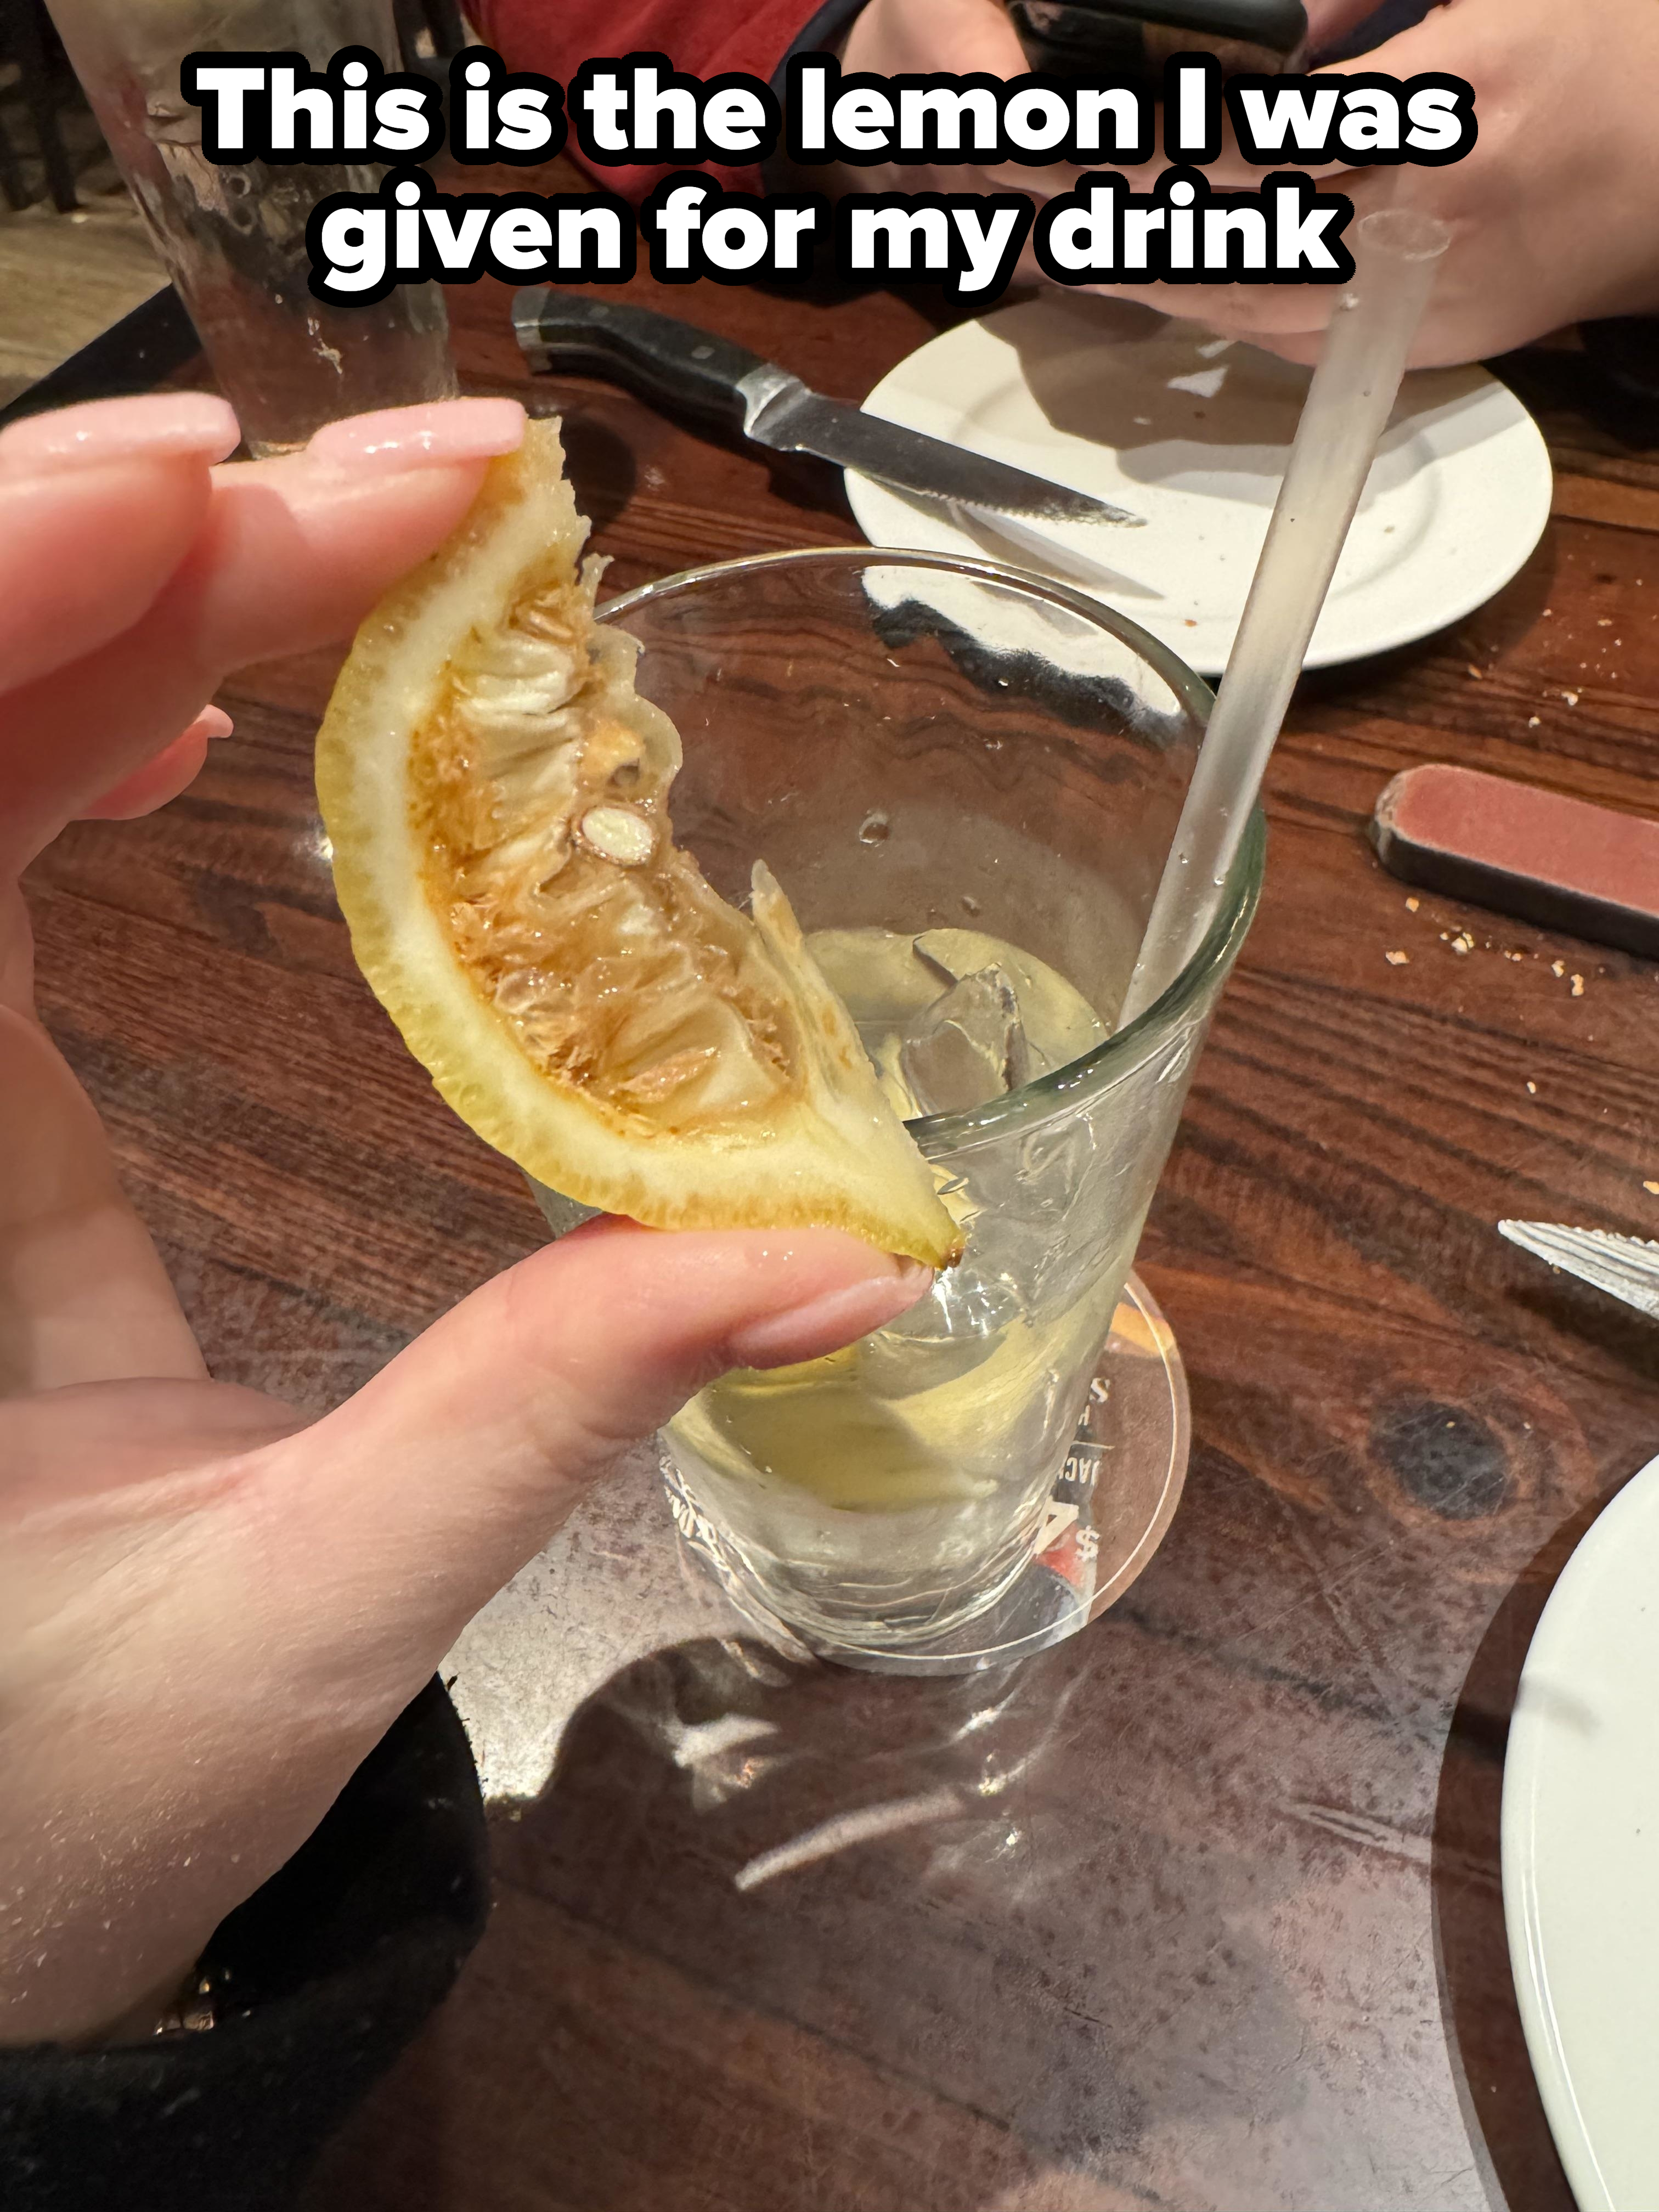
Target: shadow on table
660, 2015
600, 466
850, 2039
1499, 2097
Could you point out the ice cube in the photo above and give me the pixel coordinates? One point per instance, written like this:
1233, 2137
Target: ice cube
967, 1047
1060, 1024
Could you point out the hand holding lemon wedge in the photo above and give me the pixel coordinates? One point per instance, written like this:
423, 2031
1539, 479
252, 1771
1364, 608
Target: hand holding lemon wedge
286, 1584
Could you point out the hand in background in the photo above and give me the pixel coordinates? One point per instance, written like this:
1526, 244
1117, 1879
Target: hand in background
1552, 214
210, 1610
894, 37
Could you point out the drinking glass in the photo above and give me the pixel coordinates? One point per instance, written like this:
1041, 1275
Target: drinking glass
955, 752
233, 237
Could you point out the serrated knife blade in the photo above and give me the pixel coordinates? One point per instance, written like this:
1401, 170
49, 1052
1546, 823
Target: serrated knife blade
1625, 1267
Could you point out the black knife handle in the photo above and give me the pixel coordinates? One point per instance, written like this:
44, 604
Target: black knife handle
657, 357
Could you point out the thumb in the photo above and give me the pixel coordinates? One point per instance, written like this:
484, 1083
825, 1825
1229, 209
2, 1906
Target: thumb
404, 1512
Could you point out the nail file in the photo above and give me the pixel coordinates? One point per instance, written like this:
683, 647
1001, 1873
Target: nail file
1559, 862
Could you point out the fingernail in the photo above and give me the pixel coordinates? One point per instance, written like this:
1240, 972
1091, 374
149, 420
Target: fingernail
211, 722
826, 1323
158, 426
418, 437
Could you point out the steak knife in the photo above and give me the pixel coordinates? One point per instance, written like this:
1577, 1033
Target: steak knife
686, 370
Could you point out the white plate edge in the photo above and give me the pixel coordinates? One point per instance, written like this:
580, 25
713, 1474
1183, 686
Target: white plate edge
1523, 1772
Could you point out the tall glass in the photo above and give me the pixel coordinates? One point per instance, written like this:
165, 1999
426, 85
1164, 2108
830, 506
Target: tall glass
233, 238
926, 748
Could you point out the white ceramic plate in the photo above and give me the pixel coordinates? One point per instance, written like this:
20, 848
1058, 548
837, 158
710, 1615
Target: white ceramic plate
1581, 1855
1191, 431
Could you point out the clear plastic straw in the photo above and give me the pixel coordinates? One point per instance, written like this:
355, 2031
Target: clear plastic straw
1396, 259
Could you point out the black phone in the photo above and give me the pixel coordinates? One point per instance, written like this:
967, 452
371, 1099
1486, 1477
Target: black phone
1130, 41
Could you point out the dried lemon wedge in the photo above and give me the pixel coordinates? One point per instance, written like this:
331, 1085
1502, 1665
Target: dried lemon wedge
497, 795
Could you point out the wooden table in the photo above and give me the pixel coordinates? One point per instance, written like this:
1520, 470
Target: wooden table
1206, 1910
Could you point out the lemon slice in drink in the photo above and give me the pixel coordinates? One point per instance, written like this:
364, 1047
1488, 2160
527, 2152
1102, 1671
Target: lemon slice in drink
496, 794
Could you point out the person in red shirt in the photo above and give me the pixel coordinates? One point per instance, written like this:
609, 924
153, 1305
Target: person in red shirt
1551, 214
704, 38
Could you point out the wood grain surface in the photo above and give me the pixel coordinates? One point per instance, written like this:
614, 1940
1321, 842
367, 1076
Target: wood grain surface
1210, 1914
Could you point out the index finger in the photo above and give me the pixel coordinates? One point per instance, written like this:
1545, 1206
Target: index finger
291, 555
98, 505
